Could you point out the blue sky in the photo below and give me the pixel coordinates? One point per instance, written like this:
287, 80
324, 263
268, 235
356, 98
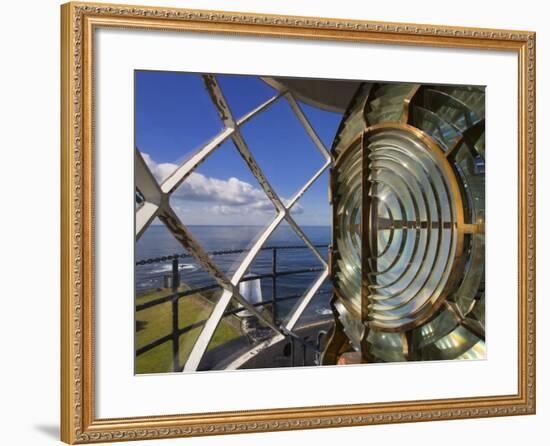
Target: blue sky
174, 117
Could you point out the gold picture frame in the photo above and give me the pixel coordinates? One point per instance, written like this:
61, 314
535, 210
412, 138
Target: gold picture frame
78, 24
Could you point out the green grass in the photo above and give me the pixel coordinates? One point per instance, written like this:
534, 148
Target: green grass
156, 322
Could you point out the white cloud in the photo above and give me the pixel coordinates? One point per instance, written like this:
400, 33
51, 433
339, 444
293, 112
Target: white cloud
231, 192
231, 197
160, 171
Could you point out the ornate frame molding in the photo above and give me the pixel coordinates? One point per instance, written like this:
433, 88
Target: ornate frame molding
78, 424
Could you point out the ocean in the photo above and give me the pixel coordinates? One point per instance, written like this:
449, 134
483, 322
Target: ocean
157, 241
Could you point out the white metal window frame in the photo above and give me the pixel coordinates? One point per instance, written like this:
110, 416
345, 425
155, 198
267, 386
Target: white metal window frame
156, 204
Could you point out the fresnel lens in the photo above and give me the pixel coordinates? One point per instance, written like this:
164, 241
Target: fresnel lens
408, 195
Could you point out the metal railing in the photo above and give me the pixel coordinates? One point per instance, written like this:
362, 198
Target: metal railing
175, 296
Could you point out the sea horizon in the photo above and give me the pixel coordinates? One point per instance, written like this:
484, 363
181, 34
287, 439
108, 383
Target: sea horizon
160, 243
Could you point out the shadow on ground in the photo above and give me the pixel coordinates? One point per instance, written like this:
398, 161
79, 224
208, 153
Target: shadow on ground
49, 430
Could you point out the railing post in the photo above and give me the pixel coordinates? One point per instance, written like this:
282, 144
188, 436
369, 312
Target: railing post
175, 275
175, 316
175, 337
274, 284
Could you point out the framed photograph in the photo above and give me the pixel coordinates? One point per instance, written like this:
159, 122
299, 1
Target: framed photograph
275, 223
